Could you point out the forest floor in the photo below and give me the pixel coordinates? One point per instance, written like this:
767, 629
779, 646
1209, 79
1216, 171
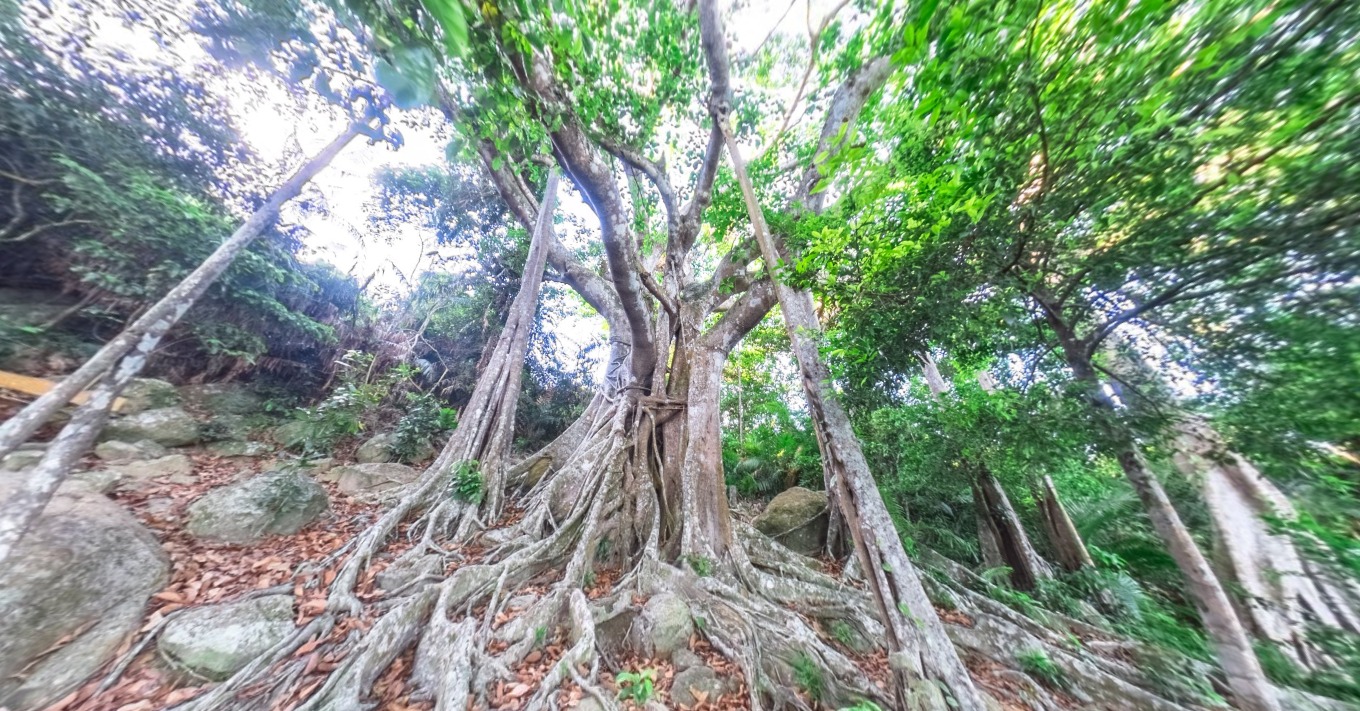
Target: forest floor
306, 563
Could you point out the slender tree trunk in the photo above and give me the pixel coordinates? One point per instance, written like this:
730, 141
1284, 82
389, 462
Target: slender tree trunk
1235, 654
918, 646
1068, 546
22, 508
1000, 525
130, 350
486, 430
172, 306
1001, 536
1277, 595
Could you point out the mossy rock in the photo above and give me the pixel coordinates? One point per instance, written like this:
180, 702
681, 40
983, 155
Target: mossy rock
166, 426
798, 519
144, 394
273, 503
215, 641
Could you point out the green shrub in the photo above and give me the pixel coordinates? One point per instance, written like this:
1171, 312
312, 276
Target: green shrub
423, 421
351, 406
468, 482
1036, 664
701, 565
808, 676
638, 686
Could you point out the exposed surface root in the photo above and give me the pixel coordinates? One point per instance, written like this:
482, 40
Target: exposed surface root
508, 617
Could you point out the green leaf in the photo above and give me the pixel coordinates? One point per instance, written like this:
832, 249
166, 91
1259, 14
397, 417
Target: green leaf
408, 75
452, 24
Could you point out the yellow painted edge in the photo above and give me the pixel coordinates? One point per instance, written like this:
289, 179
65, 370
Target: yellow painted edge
30, 385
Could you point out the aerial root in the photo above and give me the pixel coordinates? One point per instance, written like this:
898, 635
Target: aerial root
581, 653
762, 610
444, 662
768, 640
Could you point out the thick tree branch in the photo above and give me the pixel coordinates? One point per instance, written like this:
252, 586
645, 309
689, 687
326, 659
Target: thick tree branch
846, 105
742, 317
655, 172
703, 185
593, 176
596, 290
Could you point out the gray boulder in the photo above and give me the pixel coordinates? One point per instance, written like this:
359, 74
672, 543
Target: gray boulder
99, 481
118, 452
273, 503
696, 685
372, 482
376, 450
174, 468
21, 459
215, 641
683, 659
666, 624
220, 428
234, 448
167, 426
222, 399
291, 434
74, 589
144, 394
798, 519
589, 703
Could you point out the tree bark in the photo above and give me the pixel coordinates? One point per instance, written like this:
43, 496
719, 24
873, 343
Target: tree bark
918, 646
1001, 537
22, 508
1279, 596
172, 306
1001, 531
486, 430
1235, 654
1068, 547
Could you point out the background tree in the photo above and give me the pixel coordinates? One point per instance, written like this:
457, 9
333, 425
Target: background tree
1019, 205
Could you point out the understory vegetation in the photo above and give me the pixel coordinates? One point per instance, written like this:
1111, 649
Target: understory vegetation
1049, 309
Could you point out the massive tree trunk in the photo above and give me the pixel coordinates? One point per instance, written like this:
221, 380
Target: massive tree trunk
165, 313
1236, 656
1280, 594
634, 489
130, 350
